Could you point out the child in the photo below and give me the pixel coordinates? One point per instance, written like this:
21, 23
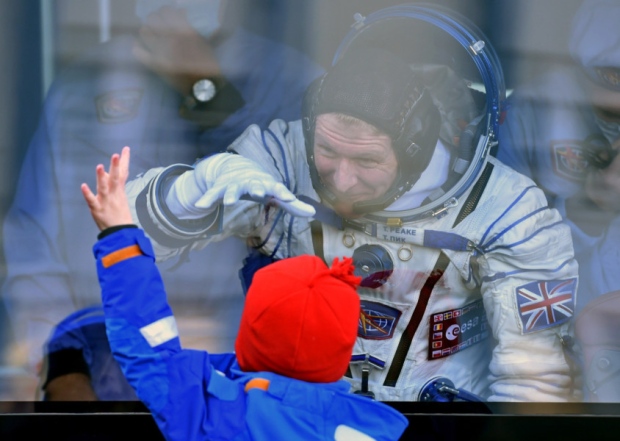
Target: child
294, 343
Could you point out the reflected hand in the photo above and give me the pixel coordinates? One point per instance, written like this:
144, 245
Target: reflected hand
170, 46
109, 207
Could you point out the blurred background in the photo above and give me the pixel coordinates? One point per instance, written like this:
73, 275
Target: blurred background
40, 39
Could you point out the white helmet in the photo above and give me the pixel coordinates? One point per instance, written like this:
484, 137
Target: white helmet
449, 58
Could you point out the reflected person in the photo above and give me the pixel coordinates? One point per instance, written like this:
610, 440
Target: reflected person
563, 130
120, 93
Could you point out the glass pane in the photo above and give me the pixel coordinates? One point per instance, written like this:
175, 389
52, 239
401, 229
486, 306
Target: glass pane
510, 317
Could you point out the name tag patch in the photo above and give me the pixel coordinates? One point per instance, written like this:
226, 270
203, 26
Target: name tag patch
377, 321
457, 329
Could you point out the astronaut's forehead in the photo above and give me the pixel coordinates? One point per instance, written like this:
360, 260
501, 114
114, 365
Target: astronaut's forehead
337, 130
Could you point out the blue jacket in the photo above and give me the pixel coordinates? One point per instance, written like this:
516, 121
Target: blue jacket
196, 395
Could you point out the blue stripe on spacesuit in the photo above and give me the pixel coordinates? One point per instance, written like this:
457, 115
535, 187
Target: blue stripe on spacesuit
445, 240
472, 274
488, 250
503, 275
484, 246
273, 227
277, 247
289, 239
285, 178
506, 211
273, 158
286, 173
287, 182
290, 236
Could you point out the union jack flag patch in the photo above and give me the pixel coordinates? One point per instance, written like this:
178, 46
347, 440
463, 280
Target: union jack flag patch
545, 304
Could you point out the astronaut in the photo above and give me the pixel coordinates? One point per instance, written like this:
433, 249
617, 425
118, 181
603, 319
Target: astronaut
116, 95
563, 130
468, 274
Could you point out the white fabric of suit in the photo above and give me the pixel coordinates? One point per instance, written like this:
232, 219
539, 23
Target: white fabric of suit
523, 241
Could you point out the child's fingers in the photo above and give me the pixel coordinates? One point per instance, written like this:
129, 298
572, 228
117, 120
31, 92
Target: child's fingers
119, 168
124, 163
90, 198
102, 180
114, 170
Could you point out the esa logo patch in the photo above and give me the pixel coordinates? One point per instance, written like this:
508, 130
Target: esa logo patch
457, 329
118, 106
377, 321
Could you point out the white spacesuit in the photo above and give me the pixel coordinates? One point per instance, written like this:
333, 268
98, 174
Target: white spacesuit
477, 286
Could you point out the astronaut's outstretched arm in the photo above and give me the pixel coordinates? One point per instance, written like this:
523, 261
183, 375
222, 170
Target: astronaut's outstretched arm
181, 206
225, 178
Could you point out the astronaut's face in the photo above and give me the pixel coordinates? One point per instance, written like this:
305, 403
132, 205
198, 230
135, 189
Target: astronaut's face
354, 160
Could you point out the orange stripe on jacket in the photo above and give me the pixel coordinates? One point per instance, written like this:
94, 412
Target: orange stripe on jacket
257, 383
120, 255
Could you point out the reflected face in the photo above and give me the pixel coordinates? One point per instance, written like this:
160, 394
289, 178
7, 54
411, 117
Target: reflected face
606, 106
354, 160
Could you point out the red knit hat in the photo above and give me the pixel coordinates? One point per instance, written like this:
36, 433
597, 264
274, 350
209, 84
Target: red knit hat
300, 319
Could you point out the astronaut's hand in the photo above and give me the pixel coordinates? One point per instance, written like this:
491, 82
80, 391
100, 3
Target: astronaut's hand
603, 186
226, 178
243, 179
170, 46
109, 207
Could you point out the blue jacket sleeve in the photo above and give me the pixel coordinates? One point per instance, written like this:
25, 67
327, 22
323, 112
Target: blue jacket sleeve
139, 322
174, 383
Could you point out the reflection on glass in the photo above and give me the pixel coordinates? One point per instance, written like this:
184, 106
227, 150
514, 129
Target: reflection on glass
561, 129
133, 90
396, 150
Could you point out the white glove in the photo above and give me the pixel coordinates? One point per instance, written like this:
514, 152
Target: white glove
228, 177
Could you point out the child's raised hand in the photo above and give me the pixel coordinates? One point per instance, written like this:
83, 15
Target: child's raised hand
109, 207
